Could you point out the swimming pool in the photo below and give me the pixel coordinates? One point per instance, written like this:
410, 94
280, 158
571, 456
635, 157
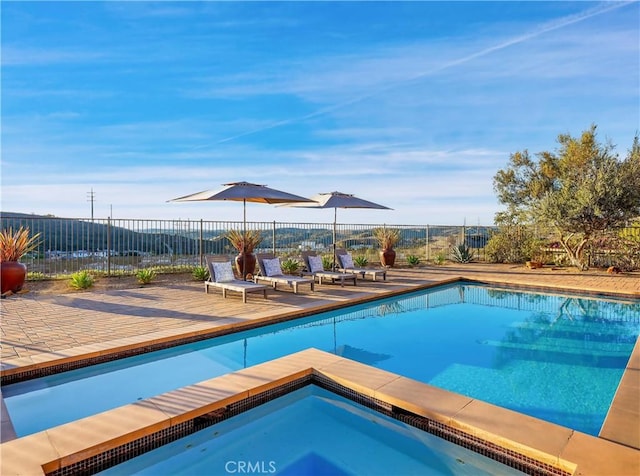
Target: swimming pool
555, 357
308, 420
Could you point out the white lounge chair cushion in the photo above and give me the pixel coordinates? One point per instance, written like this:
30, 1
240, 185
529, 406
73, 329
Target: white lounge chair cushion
223, 272
315, 264
272, 267
347, 261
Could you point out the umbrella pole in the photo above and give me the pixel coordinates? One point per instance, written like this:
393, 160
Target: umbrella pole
244, 238
335, 219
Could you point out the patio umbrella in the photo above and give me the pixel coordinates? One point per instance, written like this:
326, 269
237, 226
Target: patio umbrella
337, 200
244, 192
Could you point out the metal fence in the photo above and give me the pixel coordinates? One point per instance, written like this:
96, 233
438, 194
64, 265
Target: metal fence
123, 246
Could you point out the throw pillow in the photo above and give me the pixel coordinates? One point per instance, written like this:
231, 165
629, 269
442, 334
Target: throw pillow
347, 261
272, 266
315, 263
223, 272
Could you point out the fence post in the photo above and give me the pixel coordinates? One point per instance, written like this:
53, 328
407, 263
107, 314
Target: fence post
427, 243
273, 237
201, 244
109, 246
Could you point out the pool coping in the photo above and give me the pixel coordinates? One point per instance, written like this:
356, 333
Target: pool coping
568, 450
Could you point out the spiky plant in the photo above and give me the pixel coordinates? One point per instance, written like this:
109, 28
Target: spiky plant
290, 266
81, 280
440, 258
387, 237
14, 245
413, 260
145, 276
361, 261
462, 254
200, 273
246, 241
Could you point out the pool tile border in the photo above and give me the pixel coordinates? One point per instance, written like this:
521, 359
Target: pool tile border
167, 416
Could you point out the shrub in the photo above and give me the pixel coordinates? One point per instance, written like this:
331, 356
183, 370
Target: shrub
413, 260
513, 244
200, 273
360, 261
462, 254
145, 276
81, 280
440, 258
290, 266
615, 250
327, 262
36, 276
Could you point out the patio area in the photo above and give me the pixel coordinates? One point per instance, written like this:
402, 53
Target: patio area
56, 331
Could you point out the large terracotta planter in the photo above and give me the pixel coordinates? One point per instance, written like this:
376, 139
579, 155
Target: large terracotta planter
249, 260
12, 276
388, 257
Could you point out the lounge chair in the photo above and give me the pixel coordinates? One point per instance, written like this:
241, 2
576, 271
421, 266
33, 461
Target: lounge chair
345, 264
313, 264
271, 272
222, 277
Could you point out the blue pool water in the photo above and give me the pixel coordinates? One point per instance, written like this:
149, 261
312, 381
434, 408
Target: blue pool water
308, 420
555, 357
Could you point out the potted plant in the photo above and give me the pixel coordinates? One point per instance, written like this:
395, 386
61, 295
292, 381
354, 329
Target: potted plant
245, 243
387, 238
14, 245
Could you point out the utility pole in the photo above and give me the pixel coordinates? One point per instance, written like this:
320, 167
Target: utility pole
92, 198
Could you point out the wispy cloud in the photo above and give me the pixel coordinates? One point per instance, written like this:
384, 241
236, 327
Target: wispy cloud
390, 83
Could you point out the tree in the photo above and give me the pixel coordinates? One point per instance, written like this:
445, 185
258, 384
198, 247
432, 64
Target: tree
582, 189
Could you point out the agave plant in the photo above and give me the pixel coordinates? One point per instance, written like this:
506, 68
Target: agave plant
246, 241
200, 273
290, 266
462, 254
81, 280
15, 245
440, 258
145, 276
387, 237
361, 261
413, 260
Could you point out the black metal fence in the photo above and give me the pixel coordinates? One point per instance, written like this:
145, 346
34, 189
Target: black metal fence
123, 246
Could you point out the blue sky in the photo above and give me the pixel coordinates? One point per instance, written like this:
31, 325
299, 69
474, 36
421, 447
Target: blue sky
414, 105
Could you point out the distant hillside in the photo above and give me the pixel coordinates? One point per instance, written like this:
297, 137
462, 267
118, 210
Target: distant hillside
171, 236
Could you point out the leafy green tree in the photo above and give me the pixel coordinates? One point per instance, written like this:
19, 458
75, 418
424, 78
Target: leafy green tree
581, 189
